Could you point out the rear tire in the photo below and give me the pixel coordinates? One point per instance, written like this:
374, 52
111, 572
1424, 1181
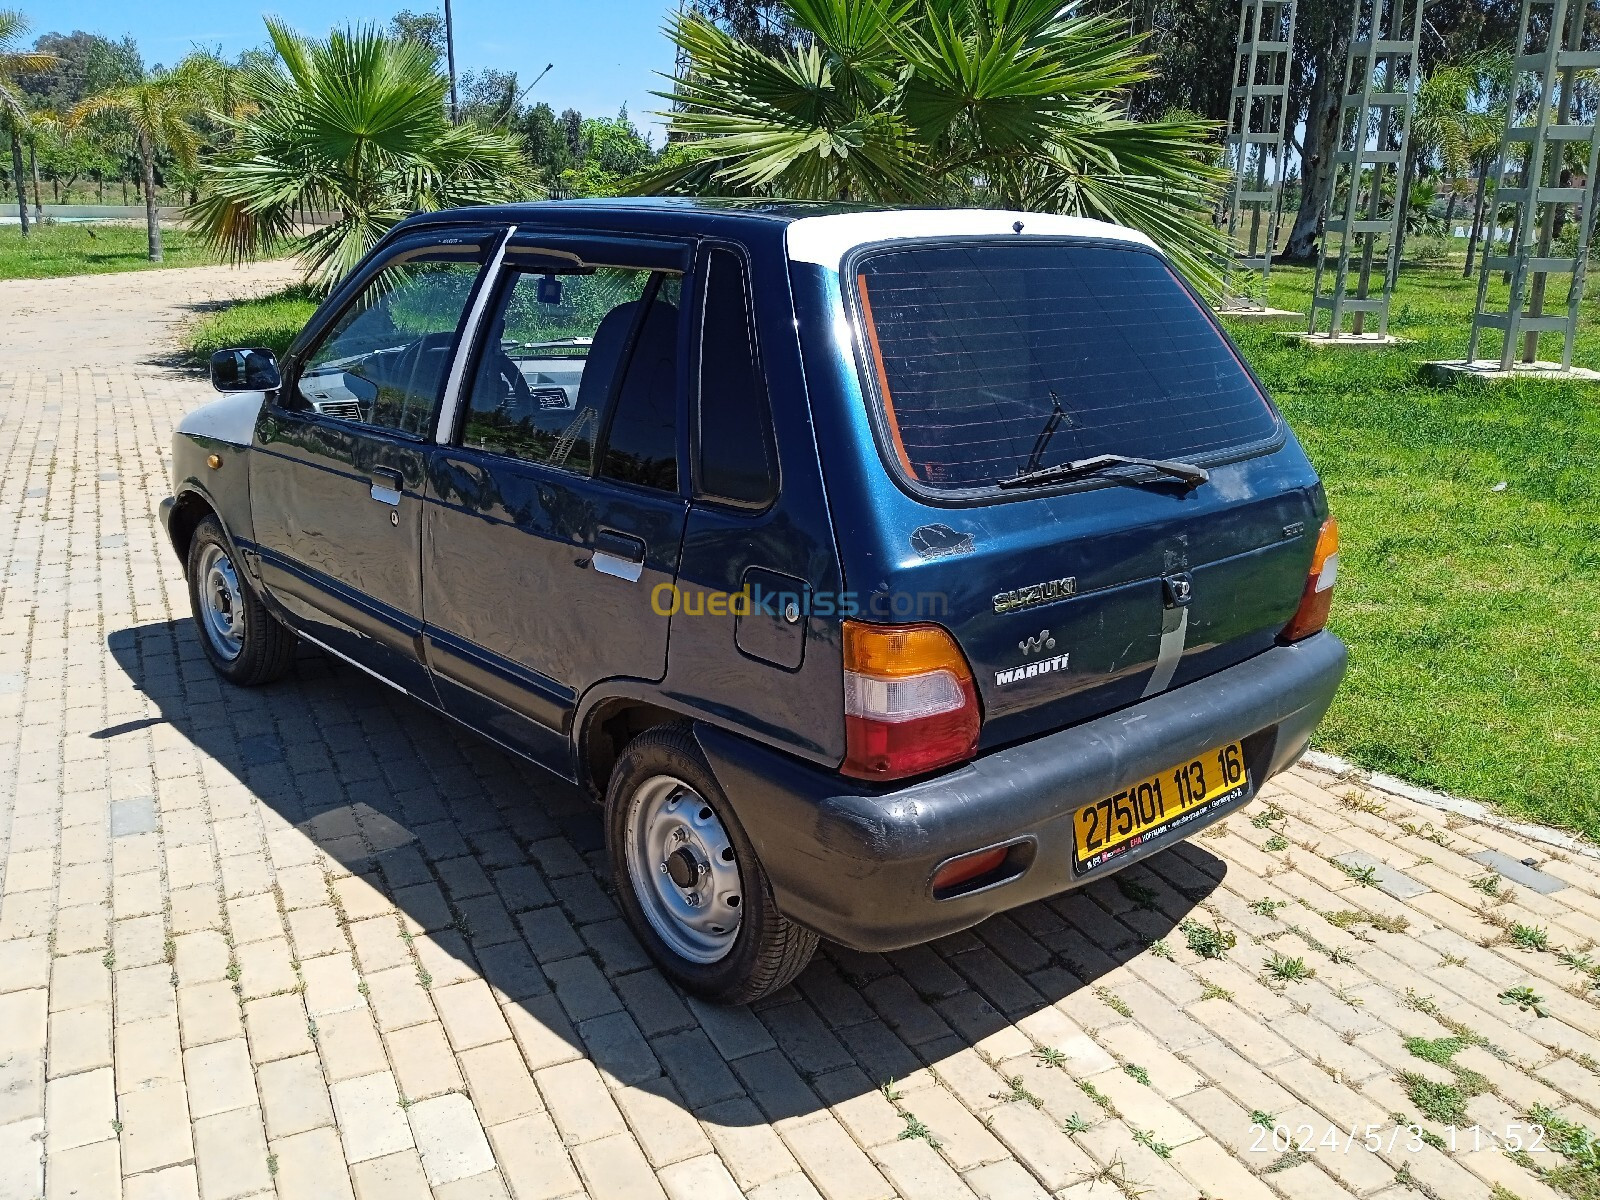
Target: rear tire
246, 644
688, 879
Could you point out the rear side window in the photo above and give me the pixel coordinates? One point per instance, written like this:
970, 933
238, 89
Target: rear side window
642, 441
977, 347
734, 435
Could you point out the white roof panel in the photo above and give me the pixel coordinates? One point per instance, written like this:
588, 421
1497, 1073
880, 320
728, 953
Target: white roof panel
825, 240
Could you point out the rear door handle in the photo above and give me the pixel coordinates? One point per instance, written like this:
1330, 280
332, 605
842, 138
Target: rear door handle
386, 485
619, 554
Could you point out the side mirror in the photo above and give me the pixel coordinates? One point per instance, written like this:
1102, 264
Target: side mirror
245, 371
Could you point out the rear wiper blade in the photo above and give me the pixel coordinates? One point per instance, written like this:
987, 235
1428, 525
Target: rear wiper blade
1187, 472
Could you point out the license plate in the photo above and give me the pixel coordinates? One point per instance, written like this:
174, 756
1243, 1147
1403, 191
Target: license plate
1157, 806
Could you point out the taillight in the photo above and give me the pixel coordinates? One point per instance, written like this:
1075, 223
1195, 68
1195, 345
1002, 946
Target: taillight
909, 703
1317, 598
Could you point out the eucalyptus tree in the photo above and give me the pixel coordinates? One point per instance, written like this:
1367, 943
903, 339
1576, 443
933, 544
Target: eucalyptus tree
1015, 103
353, 126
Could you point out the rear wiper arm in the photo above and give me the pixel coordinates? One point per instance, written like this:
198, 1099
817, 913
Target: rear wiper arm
1187, 472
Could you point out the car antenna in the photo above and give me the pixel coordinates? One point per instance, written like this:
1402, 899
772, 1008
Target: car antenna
517, 99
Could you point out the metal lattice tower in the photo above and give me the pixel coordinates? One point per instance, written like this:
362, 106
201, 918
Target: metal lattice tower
1534, 178
1256, 129
1363, 213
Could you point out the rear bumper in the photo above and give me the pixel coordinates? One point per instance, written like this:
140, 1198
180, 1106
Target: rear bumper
854, 863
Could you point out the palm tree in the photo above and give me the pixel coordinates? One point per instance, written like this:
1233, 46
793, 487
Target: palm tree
160, 109
1017, 103
354, 125
16, 62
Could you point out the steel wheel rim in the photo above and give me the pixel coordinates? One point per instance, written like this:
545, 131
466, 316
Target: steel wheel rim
674, 836
221, 602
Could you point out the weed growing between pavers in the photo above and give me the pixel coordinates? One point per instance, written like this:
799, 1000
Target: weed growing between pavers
1365, 876
1284, 969
1530, 937
1017, 1090
1113, 1001
1208, 941
916, 1129
1147, 1139
1444, 1103
1050, 1057
1160, 949
1099, 1097
1525, 999
1579, 1176
1142, 896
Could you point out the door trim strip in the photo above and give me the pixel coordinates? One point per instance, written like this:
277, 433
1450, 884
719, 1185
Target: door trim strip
451, 404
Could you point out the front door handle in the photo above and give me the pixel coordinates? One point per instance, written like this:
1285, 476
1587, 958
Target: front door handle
619, 554
386, 485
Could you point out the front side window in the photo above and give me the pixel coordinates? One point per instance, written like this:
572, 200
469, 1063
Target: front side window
384, 360
993, 359
564, 343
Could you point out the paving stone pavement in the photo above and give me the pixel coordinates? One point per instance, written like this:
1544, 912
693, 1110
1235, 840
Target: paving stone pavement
309, 940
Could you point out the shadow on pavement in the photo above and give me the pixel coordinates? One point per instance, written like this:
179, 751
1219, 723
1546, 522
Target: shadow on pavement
504, 866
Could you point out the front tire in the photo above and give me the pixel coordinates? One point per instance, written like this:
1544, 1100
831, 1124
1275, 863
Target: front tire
689, 881
246, 644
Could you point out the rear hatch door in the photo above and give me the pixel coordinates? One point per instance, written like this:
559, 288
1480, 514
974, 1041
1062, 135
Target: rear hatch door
993, 360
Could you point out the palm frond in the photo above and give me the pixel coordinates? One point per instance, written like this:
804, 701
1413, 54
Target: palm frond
355, 124
1013, 102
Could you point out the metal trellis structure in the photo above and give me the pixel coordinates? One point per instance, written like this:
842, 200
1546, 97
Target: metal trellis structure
1363, 214
1257, 124
1534, 177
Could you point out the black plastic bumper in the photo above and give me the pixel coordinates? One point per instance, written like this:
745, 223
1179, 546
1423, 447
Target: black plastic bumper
855, 863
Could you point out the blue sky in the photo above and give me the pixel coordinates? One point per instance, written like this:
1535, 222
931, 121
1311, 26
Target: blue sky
606, 52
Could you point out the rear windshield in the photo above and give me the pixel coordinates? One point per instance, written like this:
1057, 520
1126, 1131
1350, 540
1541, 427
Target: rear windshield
977, 347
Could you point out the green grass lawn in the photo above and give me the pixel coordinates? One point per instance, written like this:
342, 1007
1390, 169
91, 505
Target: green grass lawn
1472, 614
90, 249
272, 321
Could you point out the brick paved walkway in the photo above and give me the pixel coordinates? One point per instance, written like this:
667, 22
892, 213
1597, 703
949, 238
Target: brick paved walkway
310, 940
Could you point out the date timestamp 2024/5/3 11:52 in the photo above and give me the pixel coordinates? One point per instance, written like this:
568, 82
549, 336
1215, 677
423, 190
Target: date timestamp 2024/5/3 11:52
1384, 1139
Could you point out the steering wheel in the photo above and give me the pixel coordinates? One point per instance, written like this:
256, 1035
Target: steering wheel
409, 372
516, 397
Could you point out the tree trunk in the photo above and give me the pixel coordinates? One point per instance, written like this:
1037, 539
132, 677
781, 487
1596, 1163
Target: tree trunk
148, 159
1402, 201
1477, 216
1450, 210
1321, 140
16, 176
33, 165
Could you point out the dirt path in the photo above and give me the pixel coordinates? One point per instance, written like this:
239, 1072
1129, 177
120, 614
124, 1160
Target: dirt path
117, 320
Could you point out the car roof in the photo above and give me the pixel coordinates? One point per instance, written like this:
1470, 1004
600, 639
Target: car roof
817, 231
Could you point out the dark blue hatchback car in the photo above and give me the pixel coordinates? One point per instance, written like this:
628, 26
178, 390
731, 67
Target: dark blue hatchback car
879, 570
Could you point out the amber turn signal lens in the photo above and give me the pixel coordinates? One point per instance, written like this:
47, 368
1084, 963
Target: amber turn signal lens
899, 650
213, 461
1317, 599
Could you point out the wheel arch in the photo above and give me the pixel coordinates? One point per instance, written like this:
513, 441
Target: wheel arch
605, 728
189, 508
